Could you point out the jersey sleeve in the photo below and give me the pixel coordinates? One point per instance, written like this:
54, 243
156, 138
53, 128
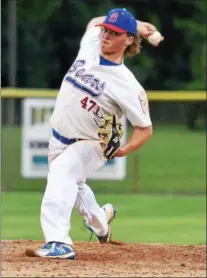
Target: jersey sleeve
90, 41
134, 104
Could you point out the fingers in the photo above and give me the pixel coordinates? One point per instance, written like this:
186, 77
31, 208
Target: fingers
149, 33
150, 27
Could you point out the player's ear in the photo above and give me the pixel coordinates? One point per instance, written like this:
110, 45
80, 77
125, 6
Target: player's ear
129, 40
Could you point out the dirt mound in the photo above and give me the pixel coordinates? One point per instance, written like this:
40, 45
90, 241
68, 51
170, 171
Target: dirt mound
96, 260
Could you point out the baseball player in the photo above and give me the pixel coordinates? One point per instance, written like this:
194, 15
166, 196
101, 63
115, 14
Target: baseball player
95, 92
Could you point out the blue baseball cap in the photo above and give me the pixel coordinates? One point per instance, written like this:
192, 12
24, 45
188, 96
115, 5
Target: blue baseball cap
121, 21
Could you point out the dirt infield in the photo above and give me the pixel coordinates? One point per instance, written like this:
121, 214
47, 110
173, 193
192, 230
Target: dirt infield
99, 260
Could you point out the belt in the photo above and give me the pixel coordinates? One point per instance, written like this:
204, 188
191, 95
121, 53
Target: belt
63, 139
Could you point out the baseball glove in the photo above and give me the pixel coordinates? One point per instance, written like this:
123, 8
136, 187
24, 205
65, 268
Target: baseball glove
110, 133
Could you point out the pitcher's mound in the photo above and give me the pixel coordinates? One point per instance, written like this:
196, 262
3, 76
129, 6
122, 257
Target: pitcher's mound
106, 260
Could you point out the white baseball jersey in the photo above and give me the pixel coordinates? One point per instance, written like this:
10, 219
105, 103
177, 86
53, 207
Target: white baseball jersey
93, 86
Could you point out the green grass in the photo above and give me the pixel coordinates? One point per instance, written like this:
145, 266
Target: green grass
172, 161
140, 218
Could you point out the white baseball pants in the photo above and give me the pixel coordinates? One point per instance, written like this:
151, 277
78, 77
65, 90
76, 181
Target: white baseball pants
66, 188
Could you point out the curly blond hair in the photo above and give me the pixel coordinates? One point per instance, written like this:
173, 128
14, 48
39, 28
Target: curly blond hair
134, 48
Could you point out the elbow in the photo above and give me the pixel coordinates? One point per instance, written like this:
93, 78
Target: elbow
147, 131
94, 21
91, 23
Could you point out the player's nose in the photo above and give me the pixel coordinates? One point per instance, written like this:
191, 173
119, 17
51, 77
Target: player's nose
106, 35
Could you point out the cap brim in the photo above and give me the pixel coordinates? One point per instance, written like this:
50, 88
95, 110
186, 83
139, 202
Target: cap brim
112, 27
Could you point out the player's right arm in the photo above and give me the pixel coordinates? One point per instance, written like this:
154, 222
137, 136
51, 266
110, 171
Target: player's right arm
94, 21
145, 29
90, 39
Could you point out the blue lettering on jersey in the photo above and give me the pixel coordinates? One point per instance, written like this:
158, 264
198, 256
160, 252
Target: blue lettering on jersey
77, 64
94, 85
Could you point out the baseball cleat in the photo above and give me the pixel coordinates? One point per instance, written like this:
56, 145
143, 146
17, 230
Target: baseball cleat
110, 215
56, 250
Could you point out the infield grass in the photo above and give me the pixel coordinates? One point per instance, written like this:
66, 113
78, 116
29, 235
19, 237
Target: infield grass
140, 218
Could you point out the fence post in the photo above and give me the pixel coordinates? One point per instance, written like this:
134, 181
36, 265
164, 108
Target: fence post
135, 173
12, 57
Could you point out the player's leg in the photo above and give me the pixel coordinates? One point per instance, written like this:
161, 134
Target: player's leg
97, 218
57, 204
67, 168
59, 199
88, 207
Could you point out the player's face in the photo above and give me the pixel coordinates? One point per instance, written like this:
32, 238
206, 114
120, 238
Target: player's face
112, 42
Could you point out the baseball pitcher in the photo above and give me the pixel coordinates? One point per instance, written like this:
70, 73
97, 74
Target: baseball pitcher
95, 92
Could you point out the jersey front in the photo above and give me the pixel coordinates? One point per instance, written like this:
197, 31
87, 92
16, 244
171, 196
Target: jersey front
94, 86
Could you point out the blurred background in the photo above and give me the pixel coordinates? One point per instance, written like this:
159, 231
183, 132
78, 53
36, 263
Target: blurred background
162, 198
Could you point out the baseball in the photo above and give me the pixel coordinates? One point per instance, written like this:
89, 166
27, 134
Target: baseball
155, 38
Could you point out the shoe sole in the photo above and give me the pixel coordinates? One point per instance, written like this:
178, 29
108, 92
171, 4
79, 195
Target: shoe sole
33, 253
65, 256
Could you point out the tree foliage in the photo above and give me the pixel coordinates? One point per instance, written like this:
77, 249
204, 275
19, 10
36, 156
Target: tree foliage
49, 33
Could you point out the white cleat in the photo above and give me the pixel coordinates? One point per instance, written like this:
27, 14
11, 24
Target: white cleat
110, 215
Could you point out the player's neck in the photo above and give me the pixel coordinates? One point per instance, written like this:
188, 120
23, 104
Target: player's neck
115, 58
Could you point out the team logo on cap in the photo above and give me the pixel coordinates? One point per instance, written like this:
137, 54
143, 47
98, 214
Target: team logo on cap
113, 17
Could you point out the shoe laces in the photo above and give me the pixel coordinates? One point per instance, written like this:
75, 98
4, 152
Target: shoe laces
48, 245
92, 232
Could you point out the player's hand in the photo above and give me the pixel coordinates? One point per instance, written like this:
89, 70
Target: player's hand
146, 29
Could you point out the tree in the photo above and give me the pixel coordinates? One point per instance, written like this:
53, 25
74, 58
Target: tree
36, 58
49, 33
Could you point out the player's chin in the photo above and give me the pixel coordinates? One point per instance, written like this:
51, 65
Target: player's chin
104, 47
106, 50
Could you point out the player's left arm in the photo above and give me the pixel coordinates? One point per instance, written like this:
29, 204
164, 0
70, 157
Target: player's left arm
139, 137
135, 106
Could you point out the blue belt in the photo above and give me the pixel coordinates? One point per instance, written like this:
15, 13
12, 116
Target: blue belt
63, 139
